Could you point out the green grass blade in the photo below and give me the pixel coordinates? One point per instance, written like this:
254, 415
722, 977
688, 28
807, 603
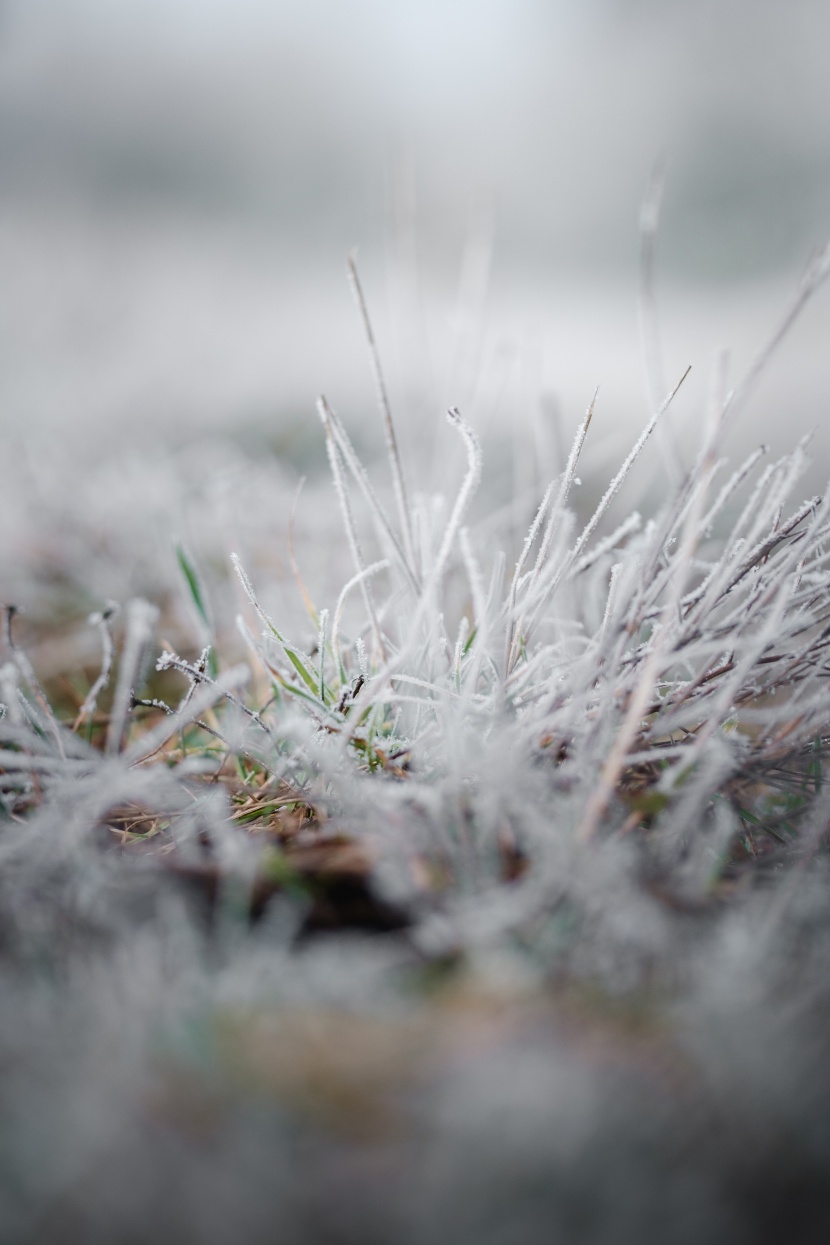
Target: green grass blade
197, 595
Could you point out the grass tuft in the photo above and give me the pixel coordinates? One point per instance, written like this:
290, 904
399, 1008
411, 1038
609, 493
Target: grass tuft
581, 806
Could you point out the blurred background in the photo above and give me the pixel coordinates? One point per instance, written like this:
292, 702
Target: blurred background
182, 180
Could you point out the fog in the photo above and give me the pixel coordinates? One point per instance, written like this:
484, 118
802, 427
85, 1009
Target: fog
182, 182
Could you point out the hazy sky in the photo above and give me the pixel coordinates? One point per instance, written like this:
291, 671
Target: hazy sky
182, 179
298, 114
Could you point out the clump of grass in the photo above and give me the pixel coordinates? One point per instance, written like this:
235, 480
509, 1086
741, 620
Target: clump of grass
654, 678
549, 783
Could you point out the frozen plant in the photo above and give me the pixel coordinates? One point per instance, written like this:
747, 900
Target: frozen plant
582, 796
643, 679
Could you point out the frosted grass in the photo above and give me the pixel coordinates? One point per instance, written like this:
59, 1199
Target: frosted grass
589, 786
